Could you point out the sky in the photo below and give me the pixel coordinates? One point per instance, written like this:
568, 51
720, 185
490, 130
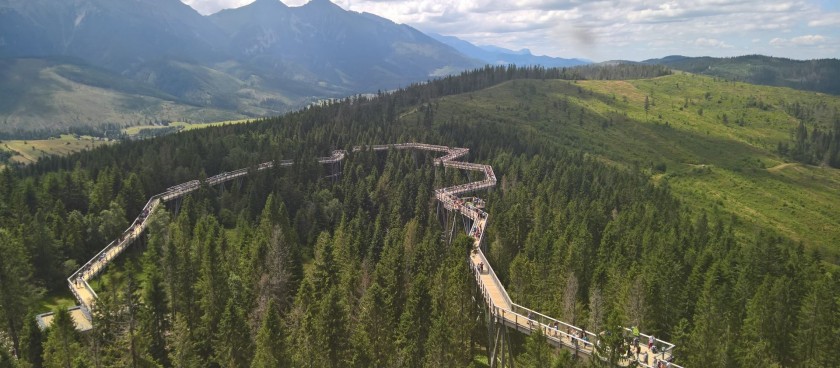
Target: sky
602, 30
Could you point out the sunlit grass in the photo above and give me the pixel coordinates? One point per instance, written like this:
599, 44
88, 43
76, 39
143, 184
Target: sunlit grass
728, 166
29, 151
134, 130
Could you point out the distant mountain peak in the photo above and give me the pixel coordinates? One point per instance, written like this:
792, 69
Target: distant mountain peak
501, 56
271, 3
322, 4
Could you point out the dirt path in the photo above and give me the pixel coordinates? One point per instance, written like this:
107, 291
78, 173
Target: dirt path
781, 167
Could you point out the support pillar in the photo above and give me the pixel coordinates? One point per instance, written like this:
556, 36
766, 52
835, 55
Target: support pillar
452, 229
500, 354
177, 205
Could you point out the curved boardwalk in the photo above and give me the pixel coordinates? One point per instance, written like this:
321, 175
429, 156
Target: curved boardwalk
501, 308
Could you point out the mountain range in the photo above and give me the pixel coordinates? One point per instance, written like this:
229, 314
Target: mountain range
124, 62
116, 63
495, 55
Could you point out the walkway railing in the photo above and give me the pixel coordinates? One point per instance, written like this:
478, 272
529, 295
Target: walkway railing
504, 310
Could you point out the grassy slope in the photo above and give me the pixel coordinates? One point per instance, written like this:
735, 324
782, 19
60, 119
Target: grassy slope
45, 94
29, 151
186, 126
713, 166
813, 75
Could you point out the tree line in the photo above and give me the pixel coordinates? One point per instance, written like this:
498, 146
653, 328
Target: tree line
292, 267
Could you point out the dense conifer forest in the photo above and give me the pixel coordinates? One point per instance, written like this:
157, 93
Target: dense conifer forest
293, 268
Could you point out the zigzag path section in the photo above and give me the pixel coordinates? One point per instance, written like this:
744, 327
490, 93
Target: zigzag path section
502, 310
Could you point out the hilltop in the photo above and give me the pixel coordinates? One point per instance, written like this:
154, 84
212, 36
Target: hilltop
713, 142
821, 75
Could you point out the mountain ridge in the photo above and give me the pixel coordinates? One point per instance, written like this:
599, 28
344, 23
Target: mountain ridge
261, 59
820, 75
496, 55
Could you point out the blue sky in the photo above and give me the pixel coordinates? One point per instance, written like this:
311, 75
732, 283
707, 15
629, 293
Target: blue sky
616, 29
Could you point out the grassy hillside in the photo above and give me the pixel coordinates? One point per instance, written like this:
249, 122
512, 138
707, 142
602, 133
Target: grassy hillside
47, 94
140, 131
713, 142
29, 151
814, 75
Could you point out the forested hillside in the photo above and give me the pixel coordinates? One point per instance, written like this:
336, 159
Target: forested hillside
724, 147
820, 75
295, 269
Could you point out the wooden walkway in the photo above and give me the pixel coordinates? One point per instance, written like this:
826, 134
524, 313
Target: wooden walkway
496, 298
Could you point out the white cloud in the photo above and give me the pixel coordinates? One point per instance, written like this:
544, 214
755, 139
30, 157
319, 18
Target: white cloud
825, 20
806, 40
711, 42
613, 29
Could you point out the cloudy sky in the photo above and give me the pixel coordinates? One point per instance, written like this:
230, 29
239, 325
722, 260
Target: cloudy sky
616, 29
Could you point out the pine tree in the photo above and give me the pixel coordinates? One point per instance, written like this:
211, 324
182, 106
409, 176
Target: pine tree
62, 345
324, 273
31, 342
153, 318
211, 285
232, 343
184, 352
16, 290
756, 348
303, 349
816, 339
131, 196
331, 329
537, 353
112, 221
712, 339
270, 342
413, 326
611, 343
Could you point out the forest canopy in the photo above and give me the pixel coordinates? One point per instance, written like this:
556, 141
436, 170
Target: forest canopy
291, 268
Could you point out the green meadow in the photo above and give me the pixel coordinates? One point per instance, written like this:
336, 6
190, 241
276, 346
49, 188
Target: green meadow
713, 142
29, 151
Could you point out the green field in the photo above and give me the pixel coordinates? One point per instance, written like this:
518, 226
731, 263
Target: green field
184, 126
29, 151
715, 164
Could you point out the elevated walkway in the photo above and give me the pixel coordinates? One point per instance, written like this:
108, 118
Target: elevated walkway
502, 309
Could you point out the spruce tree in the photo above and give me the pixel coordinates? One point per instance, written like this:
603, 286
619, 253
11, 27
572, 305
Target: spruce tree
62, 346
16, 288
31, 342
270, 342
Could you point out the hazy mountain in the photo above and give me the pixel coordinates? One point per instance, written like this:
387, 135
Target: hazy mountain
815, 75
324, 43
501, 56
115, 34
53, 94
261, 59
